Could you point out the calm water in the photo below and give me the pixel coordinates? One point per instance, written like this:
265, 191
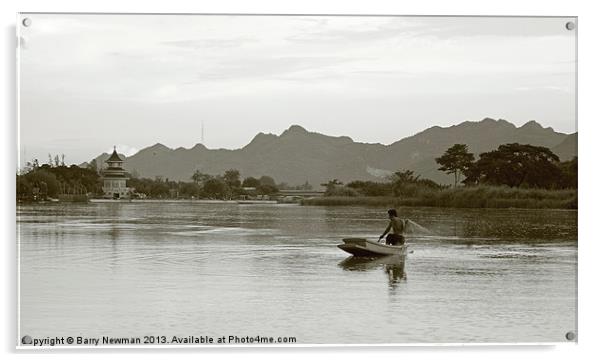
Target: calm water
180, 269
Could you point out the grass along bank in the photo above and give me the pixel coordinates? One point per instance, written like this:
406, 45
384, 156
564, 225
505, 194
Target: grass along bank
463, 197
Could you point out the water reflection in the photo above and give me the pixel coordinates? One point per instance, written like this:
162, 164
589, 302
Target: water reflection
392, 265
275, 270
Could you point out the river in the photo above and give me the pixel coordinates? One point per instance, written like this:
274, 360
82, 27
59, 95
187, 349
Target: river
181, 269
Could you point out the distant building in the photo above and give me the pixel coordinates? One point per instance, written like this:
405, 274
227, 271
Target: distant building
114, 178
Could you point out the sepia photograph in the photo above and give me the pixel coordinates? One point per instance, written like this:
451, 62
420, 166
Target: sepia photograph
192, 180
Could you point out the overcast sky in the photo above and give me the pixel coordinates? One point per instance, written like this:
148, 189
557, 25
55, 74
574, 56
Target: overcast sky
88, 82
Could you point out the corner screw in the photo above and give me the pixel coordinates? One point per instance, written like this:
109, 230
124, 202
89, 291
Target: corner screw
570, 25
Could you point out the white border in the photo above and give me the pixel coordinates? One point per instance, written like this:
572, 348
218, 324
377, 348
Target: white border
18, 126
589, 82
20, 17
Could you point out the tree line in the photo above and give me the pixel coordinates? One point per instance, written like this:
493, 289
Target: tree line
226, 186
49, 180
38, 182
404, 183
512, 164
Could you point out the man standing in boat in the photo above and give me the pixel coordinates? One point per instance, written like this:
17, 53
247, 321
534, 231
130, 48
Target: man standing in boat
397, 224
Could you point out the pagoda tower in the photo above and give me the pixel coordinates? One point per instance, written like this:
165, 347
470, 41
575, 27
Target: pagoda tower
114, 178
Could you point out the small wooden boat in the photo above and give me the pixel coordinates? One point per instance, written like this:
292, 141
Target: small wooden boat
363, 247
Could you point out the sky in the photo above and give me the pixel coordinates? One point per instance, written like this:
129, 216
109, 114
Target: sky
89, 82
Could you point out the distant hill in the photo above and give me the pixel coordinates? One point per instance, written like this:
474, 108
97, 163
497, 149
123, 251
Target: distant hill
100, 160
567, 149
297, 155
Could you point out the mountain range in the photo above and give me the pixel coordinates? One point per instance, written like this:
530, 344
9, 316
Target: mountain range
298, 155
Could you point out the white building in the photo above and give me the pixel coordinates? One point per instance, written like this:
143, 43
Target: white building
114, 178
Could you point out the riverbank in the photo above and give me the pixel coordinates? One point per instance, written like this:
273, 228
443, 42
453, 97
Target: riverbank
125, 201
463, 197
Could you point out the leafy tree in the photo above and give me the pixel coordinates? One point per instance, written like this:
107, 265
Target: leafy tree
404, 176
371, 188
404, 184
267, 190
343, 191
159, 189
456, 160
24, 188
50, 180
331, 186
304, 186
31, 166
267, 180
215, 188
189, 189
251, 182
44, 182
140, 185
569, 173
331, 183
517, 165
200, 178
232, 178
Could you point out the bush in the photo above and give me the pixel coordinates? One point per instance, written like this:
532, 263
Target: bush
494, 197
463, 197
350, 201
343, 191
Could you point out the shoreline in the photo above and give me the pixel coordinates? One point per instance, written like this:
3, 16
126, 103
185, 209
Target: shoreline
141, 201
324, 201
484, 197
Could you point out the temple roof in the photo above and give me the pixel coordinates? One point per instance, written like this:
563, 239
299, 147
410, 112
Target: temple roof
114, 157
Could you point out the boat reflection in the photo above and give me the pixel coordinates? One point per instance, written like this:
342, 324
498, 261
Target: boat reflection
392, 265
